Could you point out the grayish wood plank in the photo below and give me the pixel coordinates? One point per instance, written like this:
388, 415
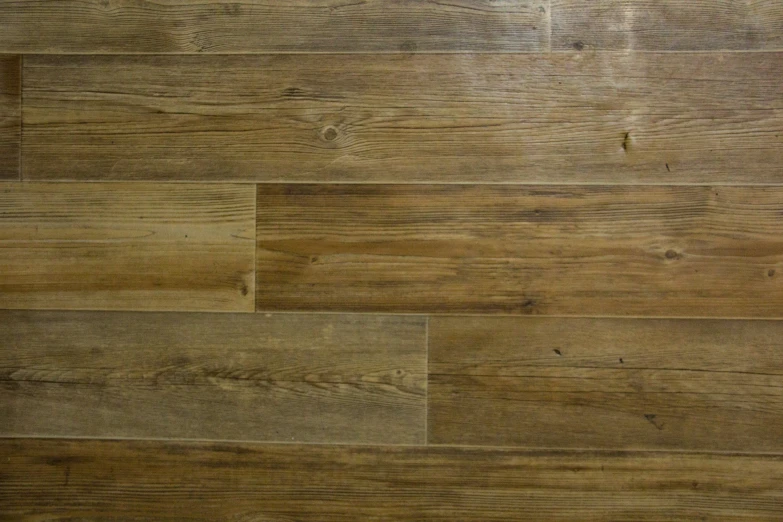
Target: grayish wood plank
307, 378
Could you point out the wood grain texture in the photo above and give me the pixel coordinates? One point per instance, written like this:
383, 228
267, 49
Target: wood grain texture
126, 246
68, 480
606, 383
564, 117
175, 26
291, 377
10, 116
553, 250
667, 25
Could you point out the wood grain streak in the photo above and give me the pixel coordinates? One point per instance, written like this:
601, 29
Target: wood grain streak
606, 383
126, 246
10, 116
68, 480
667, 25
324, 378
552, 250
565, 117
257, 26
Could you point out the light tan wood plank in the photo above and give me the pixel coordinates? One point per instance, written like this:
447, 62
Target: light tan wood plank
606, 383
45, 479
291, 377
552, 250
564, 117
10, 116
667, 25
126, 246
174, 26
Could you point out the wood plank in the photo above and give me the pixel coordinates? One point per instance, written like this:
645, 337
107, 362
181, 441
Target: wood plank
291, 377
552, 250
10, 116
667, 25
606, 383
126, 246
253, 26
563, 117
142, 480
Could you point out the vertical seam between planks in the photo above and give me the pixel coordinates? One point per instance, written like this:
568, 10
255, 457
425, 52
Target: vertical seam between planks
549, 20
427, 379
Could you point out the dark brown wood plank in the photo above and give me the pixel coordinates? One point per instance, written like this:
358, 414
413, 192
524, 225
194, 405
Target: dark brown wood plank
552, 250
540, 118
128, 26
606, 383
10, 116
60, 479
308, 378
667, 25
127, 246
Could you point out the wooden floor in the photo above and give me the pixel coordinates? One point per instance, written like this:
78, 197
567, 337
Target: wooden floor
391, 260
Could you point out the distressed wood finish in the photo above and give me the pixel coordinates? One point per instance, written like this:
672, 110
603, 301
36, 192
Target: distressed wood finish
126, 246
554, 250
253, 26
323, 378
667, 25
10, 116
563, 117
44, 479
606, 383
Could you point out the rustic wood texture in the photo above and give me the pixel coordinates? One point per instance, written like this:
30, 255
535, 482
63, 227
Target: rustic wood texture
563, 117
48, 479
553, 250
126, 246
175, 26
606, 383
322, 378
10, 116
667, 25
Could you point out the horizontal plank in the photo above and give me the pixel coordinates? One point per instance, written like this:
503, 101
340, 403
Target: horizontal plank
10, 116
606, 383
291, 377
252, 26
553, 250
126, 246
542, 118
45, 479
667, 25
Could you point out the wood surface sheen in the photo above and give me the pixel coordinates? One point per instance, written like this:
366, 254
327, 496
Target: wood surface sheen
667, 25
619, 118
88, 480
258, 26
10, 116
136, 246
595, 185
322, 378
548, 250
606, 383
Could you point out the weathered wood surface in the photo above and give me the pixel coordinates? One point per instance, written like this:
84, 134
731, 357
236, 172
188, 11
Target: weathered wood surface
10, 116
564, 117
137, 246
549, 250
46, 479
703, 385
306, 378
256, 26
